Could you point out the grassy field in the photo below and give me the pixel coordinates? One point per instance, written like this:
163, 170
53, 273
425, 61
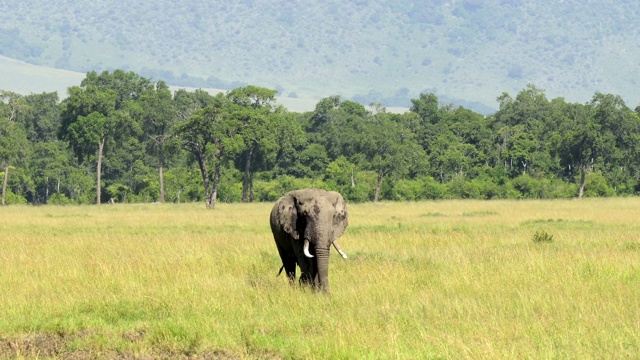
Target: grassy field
447, 279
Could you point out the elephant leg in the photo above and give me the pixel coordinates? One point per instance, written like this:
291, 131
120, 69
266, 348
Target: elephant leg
289, 264
308, 271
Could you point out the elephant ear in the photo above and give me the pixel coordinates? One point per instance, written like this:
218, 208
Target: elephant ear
341, 217
288, 215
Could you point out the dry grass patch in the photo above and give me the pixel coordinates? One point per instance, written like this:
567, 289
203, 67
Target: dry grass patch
453, 279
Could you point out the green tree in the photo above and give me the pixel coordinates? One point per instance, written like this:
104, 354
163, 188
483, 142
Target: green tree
391, 149
619, 138
13, 149
103, 108
523, 129
293, 155
159, 114
211, 136
40, 116
50, 166
14, 145
257, 121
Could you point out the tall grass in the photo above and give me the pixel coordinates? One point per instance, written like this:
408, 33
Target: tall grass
449, 279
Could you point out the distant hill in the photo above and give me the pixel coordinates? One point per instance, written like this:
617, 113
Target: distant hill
466, 51
24, 78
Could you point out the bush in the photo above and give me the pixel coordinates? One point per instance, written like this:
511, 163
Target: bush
542, 237
596, 185
528, 187
559, 189
404, 189
14, 199
365, 186
480, 188
118, 192
232, 192
59, 199
432, 189
272, 190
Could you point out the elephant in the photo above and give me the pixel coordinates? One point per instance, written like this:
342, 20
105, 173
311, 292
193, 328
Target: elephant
307, 217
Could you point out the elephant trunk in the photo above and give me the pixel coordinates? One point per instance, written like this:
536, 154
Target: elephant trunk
322, 255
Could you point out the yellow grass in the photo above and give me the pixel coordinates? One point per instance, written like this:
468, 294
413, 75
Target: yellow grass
449, 279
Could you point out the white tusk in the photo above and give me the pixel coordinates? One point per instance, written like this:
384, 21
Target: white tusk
335, 245
306, 249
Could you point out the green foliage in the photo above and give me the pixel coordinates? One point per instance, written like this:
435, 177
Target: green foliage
183, 184
542, 236
59, 199
13, 199
118, 192
240, 146
274, 189
405, 189
596, 185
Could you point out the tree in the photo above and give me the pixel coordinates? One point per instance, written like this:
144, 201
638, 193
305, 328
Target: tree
103, 108
211, 136
523, 129
585, 138
13, 139
619, 138
50, 166
427, 107
40, 116
391, 149
292, 142
159, 114
11, 104
257, 120
13, 149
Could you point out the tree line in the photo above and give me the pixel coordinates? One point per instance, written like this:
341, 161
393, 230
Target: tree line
120, 137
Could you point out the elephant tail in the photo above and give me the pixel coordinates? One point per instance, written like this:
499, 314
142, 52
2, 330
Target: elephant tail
280, 272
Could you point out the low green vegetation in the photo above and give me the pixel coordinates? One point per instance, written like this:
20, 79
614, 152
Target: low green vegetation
443, 279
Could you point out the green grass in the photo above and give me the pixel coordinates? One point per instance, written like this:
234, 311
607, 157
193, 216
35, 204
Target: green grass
179, 280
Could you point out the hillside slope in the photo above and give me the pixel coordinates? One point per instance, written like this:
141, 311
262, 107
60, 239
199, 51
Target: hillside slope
466, 51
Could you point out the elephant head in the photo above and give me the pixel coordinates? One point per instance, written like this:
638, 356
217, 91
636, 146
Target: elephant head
305, 223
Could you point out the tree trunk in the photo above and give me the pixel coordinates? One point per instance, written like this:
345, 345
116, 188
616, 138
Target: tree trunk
322, 257
251, 194
202, 164
99, 170
161, 174
246, 179
378, 186
582, 179
4, 184
213, 195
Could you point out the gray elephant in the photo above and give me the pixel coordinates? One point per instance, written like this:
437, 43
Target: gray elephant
303, 217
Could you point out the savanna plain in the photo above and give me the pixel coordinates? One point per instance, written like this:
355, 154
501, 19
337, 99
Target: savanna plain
446, 279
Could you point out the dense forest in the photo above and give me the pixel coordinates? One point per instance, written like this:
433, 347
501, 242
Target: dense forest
120, 137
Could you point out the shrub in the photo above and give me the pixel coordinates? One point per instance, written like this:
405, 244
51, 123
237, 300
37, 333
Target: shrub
405, 189
528, 187
432, 189
596, 185
14, 199
59, 199
542, 237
